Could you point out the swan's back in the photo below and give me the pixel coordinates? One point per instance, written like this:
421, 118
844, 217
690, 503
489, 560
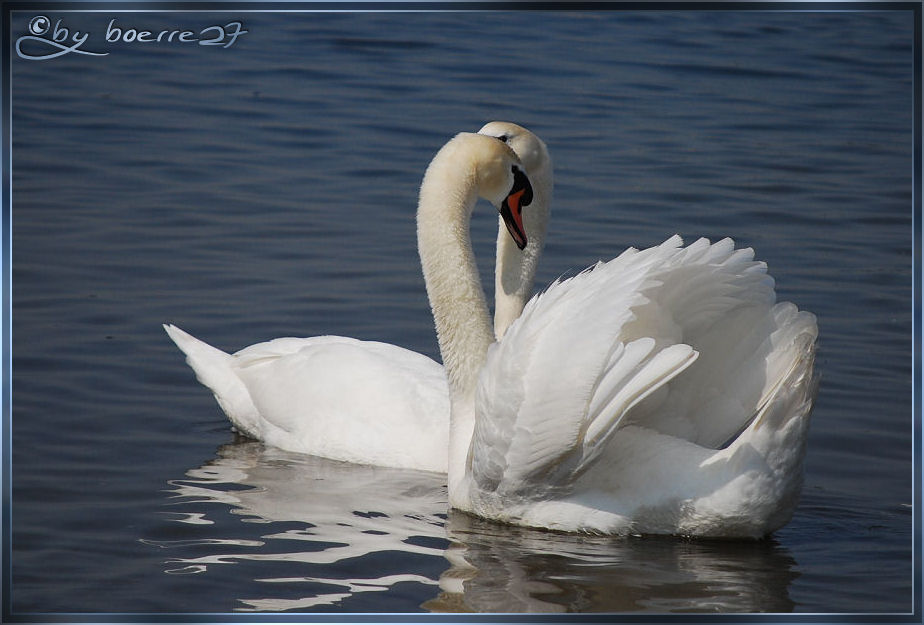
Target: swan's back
342, 398
359, 401
683, 346
721, 302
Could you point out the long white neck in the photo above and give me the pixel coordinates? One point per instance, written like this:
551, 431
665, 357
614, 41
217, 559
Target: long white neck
463, 326
515, 269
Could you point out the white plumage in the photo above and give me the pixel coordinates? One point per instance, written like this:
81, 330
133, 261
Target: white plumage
631, 378
661, 392
664, 391
363, 401
332, 396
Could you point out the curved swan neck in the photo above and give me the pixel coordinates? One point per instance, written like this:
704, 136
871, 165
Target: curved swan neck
515, 270
448, 194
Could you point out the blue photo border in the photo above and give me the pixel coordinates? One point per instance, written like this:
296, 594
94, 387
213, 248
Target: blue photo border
8, 51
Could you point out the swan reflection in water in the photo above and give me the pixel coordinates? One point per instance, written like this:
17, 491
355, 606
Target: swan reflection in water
332, 535
496, 568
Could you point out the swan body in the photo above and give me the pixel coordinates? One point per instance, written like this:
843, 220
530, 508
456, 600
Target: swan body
664, 391
363, 401
332, 396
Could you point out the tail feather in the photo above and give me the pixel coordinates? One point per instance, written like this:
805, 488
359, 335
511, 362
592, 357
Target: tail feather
215, 369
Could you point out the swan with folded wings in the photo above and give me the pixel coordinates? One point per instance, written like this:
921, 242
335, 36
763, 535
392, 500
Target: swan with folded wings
367, 402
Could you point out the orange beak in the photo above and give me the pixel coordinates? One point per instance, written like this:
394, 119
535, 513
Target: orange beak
521, 194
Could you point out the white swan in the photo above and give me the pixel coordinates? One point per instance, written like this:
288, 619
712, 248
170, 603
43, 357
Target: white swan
364, 401
661, 392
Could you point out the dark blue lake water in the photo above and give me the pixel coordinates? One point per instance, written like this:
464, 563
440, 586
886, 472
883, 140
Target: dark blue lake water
268, 189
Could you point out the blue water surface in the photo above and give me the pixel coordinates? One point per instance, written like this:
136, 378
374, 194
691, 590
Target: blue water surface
268, 188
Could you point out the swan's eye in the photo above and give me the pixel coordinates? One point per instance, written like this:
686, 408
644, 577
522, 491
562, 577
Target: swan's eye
504, 138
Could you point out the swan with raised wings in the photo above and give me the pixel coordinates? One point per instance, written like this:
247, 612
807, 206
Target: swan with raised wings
364, 401
664, 391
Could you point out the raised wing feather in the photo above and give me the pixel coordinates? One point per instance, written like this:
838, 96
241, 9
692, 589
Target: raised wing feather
590, 349
537, 383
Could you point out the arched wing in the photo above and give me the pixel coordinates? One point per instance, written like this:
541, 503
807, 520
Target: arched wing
590, 349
